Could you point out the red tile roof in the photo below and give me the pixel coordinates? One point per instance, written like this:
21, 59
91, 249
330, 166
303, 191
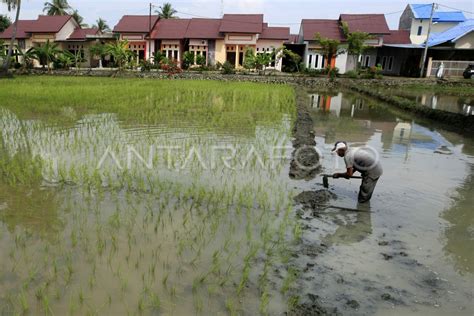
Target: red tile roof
242, 23
135, 24
20, 33
369, 23
294, 39
81, 34
48, 24
170, 29
204, 29
397, 37
326, 28
277, 33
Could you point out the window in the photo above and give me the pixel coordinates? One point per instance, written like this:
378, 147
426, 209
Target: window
390, 63
367, 61
420, 30
310, 61
317, 60
384, 62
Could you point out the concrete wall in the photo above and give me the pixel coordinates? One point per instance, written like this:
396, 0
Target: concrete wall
220, 53
435, 28
466, 42
405, 19
66, 30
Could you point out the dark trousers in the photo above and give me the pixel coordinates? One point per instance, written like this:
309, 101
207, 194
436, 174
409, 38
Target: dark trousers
367, 189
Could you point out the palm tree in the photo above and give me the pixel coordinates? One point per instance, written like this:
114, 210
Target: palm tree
57, 7
27, 57
11, 5
121, 53
166, 11
101, 25
46, 53
98, 51
79, 19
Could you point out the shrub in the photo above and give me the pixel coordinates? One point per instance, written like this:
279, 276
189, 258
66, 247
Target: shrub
146, 65
201, 61
171, 67
352, 74
332, 72
188, 60
228, 68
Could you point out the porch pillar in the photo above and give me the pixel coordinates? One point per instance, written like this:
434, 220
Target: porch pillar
237, 55
430, 67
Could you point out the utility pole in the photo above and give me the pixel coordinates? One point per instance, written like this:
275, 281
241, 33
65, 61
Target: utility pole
149, 32
425, 51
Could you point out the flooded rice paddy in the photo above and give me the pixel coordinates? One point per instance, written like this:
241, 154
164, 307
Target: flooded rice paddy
413, 254
135, 210
124, 196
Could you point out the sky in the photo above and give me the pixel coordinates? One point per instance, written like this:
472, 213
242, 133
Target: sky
277, 12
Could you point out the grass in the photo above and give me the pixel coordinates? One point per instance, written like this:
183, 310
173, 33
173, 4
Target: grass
146, 240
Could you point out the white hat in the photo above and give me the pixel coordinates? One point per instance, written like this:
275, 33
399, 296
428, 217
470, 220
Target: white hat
339, 145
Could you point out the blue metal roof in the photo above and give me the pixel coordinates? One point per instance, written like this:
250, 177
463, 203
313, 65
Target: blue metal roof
453, 34
423, 11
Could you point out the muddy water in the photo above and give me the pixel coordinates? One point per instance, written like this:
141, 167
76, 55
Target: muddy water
413, 253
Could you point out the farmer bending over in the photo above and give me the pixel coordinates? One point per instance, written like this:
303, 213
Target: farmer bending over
363, 161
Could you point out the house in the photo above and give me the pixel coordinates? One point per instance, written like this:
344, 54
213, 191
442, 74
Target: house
398, 56
219, 40
453, 47
34, 33
314, 58
373, 24
136, 30
416, 18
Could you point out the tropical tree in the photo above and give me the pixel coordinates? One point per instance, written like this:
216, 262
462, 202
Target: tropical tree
263, 60
46, 53
5, 22
98, 51
11, 5
329, 47
166, 11
292, 56
101, 25
26, 56
57, 7
356, 42
79, 19
249, 59
158, 57
121, 53
65, 59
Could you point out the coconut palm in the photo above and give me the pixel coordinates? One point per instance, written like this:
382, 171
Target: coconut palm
57, 7
166, 11
121, 53
79, 19
46, 53
101, 25
11, 5
5, 22
26, 56
98, 51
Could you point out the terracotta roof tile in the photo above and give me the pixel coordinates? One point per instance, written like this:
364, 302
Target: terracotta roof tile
21, 30
326, 28
280, 33
242, 23
48, 24
135, 24
397, 37
369, 23
81, 34
204, 29
170, 29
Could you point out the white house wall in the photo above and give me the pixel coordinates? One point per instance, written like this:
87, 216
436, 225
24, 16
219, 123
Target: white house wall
435, 28
465, 42
66, 30
268, 46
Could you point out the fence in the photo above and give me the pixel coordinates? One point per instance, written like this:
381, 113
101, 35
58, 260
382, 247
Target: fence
452, 68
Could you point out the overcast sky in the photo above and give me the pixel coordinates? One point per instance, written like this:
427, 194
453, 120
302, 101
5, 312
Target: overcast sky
277, 12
